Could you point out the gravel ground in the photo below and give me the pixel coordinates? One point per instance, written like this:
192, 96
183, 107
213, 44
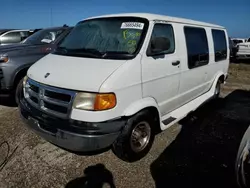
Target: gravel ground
37, 163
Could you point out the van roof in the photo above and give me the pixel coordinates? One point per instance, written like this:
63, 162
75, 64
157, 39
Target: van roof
152, 17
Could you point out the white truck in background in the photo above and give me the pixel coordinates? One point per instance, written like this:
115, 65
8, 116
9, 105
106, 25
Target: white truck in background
243, 50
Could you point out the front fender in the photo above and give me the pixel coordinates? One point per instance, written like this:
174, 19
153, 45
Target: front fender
19, 69
140, 105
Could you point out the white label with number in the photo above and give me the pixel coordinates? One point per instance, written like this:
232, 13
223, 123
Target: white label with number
132, 25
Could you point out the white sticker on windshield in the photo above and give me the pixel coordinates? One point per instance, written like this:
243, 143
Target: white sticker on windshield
132, 25
46, 40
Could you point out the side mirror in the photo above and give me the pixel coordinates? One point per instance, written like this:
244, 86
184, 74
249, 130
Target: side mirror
158, 46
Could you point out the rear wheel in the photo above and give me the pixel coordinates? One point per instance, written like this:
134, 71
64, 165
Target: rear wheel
136, 138
217, 89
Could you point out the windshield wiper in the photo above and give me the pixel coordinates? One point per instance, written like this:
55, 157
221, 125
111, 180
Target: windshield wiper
92, 51
82, 52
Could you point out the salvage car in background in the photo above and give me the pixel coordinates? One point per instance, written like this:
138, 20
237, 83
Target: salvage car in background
238, 40
9, 36
17, 58
243, 50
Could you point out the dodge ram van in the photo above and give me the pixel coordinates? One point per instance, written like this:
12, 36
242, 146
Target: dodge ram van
116, 80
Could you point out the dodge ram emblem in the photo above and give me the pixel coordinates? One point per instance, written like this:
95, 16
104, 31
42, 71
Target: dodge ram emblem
46, 75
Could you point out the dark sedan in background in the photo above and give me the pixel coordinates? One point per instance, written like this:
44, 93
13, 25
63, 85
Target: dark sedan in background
16, 59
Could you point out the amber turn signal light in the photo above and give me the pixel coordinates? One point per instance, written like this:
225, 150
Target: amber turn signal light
105, 101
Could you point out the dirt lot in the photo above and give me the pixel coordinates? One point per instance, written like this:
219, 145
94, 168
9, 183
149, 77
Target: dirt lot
197, 152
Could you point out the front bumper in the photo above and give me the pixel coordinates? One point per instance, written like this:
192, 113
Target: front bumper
72, 135
243, 55
5, 88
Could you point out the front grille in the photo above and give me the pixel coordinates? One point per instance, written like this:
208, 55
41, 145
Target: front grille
34, 88
51, 100
58, 96
56, 108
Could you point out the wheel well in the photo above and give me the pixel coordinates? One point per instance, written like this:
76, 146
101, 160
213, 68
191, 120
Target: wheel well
19, 76
155, 114
222, 78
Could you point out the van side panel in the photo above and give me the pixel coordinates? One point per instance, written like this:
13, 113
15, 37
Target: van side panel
197, 81
214, 68
192, 81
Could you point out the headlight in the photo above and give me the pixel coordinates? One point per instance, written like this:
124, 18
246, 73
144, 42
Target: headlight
25, 80
4, 58
94, 101
24, 86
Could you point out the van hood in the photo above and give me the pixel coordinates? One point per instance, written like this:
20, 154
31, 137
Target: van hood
76, 73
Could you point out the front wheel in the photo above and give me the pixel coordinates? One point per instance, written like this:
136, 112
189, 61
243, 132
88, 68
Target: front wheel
18, 91
136, 138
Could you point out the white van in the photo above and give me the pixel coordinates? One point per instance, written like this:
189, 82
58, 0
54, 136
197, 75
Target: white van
116, 79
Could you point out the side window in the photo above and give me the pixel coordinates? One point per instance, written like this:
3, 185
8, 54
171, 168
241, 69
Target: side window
197, 46
12, 37
220, 44
165, 30
24, 34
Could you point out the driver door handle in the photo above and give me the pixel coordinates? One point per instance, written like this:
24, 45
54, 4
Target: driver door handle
175, 63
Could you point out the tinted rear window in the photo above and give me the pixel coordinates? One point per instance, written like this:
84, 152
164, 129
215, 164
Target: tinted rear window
220, 44
197, 46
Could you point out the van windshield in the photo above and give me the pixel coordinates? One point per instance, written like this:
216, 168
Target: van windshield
111, 38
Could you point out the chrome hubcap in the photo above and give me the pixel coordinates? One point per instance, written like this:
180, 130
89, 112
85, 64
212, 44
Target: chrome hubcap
140, 136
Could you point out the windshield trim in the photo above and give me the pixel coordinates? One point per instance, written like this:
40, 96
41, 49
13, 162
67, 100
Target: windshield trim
115, 56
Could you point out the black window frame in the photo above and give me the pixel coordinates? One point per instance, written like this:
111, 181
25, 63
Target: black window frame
217, 59
149, 44
208, 56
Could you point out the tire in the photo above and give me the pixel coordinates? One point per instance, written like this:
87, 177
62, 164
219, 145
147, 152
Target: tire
125, 147
242, 165
217, 89
18, 91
